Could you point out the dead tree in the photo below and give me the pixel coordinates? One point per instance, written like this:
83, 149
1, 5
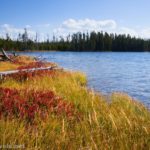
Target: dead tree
4, 55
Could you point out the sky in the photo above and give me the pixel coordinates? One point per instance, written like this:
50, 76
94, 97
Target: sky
61, 17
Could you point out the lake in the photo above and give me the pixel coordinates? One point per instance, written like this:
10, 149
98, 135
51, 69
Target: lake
108, 72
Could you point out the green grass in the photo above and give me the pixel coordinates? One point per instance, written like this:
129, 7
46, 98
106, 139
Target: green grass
123, 123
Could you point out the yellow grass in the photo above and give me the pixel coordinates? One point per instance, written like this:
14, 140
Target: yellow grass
8, 65
5, 66
24, 59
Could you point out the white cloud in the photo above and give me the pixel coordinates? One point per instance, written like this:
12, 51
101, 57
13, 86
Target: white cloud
13, 31
72, 26
110, 26
88, 24
125, 30
84, 25
145, 33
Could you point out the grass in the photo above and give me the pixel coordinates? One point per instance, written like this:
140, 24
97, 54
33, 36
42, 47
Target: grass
23, 62
123, 123
7, 65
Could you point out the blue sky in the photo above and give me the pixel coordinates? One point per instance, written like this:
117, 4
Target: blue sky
67, 16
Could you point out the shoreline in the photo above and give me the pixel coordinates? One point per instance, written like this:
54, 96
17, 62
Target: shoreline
4, 72
104, 51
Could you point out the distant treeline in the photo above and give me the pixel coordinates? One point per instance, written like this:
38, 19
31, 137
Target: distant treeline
94, 41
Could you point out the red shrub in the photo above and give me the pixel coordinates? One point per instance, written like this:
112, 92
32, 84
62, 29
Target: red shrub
37, 64
27, 104
25, 75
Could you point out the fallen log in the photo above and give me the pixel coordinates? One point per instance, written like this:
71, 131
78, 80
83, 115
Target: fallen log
5, 73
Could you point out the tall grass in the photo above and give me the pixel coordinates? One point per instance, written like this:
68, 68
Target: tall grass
123, 123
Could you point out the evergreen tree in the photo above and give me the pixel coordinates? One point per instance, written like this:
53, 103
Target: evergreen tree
78, 42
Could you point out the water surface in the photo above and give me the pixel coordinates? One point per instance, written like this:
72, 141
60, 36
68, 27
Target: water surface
108, 71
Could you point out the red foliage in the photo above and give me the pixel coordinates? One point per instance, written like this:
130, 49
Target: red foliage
37, 64
28, 104
25, 75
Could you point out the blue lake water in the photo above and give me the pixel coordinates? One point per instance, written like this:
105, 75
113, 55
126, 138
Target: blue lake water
108, 71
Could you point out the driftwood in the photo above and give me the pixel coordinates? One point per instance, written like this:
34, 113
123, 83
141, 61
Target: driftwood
5, 73
4, 55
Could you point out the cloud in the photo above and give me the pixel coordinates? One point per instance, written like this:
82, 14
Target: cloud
13, 31
110, 26
84, 25
41, 30
145, 33
126, 30
70, 26
88, 24
141, 32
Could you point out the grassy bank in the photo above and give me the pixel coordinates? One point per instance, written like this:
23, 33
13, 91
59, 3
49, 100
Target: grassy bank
55, 110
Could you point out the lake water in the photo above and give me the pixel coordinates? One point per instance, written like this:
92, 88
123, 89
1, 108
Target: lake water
108, 71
